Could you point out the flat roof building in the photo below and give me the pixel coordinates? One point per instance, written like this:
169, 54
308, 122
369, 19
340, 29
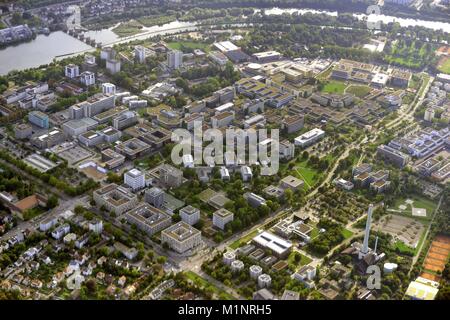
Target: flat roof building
148, 218
181, 237
115, 198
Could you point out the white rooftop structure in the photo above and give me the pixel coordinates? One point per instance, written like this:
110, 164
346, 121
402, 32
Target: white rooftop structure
273, 242
225, 46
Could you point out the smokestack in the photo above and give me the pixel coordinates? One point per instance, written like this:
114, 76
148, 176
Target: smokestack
365, 248
376, 245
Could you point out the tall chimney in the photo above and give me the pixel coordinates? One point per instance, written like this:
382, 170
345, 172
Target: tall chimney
365, 248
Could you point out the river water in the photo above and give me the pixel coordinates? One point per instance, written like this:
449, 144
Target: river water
44, 49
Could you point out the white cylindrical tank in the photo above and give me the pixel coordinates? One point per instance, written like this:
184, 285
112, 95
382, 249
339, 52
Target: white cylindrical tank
389, 267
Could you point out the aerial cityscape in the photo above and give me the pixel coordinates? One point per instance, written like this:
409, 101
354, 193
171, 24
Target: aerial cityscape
225, 150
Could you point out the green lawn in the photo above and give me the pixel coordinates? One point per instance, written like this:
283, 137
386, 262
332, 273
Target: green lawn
359, 91
127, 29
199, 281
445, 66
243, 240
179, 45
304, 260
403, 248
347, 233
334, 87
419, 202
307, 174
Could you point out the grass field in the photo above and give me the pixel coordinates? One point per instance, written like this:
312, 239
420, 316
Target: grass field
304, 260
418, 202
444, 65
243, 240
199, 281
179, 45
127, 29
359, 91
156, 20
309, 175
334, 87
347, 233
403, 248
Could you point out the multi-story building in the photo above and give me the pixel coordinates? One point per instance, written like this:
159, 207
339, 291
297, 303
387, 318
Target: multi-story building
221, 217
140, 54
87, 78
96, 226
170, 176
23, 131
222, 119
400, 78
112, 159
107, 53
309, 137
246, 173
39, 119
148, 218
90, 138
48, 140
115, 199
254, 200
108, 88
155, 196
134, 179
181, 237
190, 215
392, 155
133, 148
293, 123
113, 66
174, 59
125, 120
72, 71
76, 127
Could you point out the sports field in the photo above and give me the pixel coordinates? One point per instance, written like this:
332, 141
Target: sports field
437, 256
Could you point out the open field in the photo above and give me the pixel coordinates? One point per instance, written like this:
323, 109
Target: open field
127, 29
444, 65
304, 260
302, 171
334, 87
409, 205
359, 91
180, 45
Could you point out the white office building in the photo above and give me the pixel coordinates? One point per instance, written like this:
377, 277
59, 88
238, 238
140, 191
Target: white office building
264, 280
87, 78
134, 179
108, 88
309, 137
246, 173
72, 71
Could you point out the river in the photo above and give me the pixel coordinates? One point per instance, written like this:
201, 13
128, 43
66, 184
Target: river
44, 49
